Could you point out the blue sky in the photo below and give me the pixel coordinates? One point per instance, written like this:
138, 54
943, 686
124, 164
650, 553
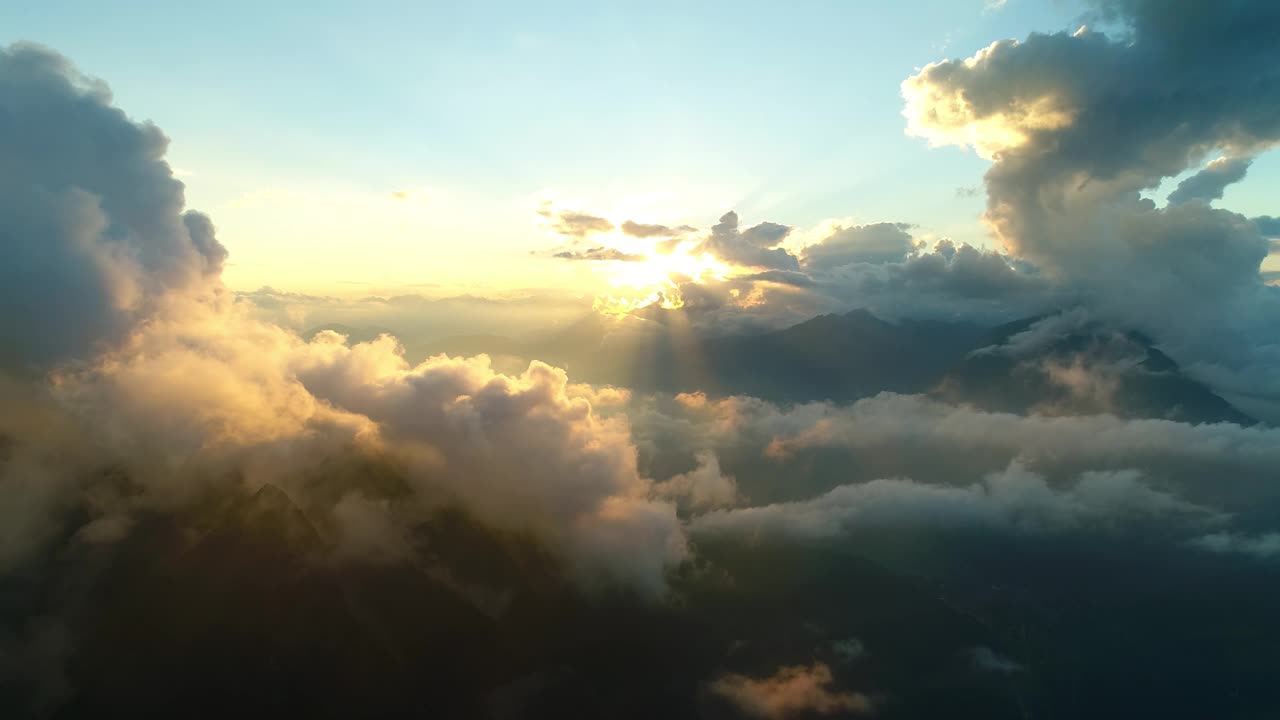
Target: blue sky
292, 123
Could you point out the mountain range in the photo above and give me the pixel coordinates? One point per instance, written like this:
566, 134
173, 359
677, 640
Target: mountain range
1088, 368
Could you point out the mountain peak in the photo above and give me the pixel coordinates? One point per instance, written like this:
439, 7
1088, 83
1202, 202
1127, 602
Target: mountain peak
862, 314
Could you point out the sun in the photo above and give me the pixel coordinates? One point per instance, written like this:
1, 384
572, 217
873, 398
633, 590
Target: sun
655, 280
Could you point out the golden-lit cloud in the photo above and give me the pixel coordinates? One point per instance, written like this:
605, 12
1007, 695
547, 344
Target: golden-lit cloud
943, 111
792, 691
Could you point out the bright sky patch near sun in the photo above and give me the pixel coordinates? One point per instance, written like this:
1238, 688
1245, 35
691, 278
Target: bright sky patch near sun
351, 157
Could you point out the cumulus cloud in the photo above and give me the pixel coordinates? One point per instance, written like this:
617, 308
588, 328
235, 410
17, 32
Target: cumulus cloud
95, 234
949, 281
1079, 125
876, 243
520, 453
753, 247
1268, 226
791, 691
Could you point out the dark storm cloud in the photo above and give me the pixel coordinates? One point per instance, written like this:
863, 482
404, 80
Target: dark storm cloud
572, 223
94, 234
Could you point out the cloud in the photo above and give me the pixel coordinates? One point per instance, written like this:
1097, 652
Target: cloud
752, 247
600, 254
902, 422
950, 281
789, 692
1065, 149
1042, 333
642, 230
1209, 184
876, 243
206, 397
916, 465
517, 451
1268, 226
703, 487
1079, 125
1014, 499
95, 235
849, 649
765, 235
1263, 547
781, 277
984, 658
210, 389
572, 223
880, 267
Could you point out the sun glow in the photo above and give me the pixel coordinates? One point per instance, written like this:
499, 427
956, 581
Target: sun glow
655, 280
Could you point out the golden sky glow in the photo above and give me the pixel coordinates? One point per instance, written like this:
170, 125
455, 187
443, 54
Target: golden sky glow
635, 284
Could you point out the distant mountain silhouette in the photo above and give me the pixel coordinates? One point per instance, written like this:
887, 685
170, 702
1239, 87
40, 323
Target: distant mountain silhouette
842, 358
1087, 371
353, 334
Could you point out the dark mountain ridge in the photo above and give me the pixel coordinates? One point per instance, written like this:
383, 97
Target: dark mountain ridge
840, 358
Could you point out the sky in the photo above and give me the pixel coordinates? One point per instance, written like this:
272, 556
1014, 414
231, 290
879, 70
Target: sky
641, 362
292, 124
